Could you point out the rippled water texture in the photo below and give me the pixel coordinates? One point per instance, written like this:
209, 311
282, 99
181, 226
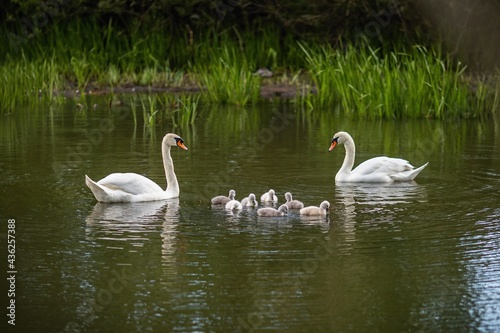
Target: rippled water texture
410, 257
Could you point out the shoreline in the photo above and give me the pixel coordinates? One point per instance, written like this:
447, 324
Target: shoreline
268, 90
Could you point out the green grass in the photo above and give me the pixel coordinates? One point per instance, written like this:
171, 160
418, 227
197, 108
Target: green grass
359, 81
370, 83
187, 110
28, 82
228, 78
181, 109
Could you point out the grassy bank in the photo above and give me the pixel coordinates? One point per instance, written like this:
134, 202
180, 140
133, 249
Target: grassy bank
362, 81
413, 83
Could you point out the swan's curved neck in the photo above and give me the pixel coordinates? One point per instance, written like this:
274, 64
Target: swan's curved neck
168, 164
350, 153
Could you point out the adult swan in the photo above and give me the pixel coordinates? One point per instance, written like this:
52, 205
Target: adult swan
131, 187
376, 170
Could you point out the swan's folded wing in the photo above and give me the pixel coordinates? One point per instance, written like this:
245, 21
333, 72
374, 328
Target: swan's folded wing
130, 183
383, 165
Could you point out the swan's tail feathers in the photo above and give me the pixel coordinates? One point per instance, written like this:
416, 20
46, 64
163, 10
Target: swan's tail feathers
417, 170
98, 191
409, 175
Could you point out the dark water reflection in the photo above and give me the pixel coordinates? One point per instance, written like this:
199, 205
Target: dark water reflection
413, 257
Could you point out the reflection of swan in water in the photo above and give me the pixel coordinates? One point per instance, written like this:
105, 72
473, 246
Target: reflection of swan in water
380, 194
130, 221
365, 206
127, 226
169, 230
376, 203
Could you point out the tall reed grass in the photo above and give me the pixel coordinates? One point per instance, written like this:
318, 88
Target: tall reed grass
28, 82
364, 82
181, 109
368, 82
228, 78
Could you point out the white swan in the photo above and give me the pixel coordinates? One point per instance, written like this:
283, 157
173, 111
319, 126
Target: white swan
322, 210
222, 199
269, 211
269, 196
292, 204
131, 187
249, 201
376, 170
234, 205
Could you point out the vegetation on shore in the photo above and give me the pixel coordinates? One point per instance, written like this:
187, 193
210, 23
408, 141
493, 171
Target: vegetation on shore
416, 83
389, 80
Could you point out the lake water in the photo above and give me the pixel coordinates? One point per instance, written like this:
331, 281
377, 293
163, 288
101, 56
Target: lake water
410, 257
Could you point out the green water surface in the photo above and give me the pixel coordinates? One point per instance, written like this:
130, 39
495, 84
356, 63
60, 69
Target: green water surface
412, 257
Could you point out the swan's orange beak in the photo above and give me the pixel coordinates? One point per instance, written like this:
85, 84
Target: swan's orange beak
334, 143
181, 145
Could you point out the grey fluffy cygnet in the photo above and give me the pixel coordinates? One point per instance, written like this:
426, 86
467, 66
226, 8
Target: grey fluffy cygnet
233, 205
222, 199
269, 196
292, 204
249, 201
269, 211
322, 210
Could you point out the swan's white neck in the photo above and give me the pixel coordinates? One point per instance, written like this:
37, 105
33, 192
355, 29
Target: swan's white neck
168, 164
350, 153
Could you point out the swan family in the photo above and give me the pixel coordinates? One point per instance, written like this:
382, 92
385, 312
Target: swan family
132, 187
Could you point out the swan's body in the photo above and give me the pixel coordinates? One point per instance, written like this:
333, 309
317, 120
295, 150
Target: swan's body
234, 205
249, 201
269, 211
376, 170
292, 204
131, 187
269, 196
322, 210
222, 199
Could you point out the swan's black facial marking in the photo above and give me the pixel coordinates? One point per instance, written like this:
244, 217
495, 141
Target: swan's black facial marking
335, 141
180, 143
